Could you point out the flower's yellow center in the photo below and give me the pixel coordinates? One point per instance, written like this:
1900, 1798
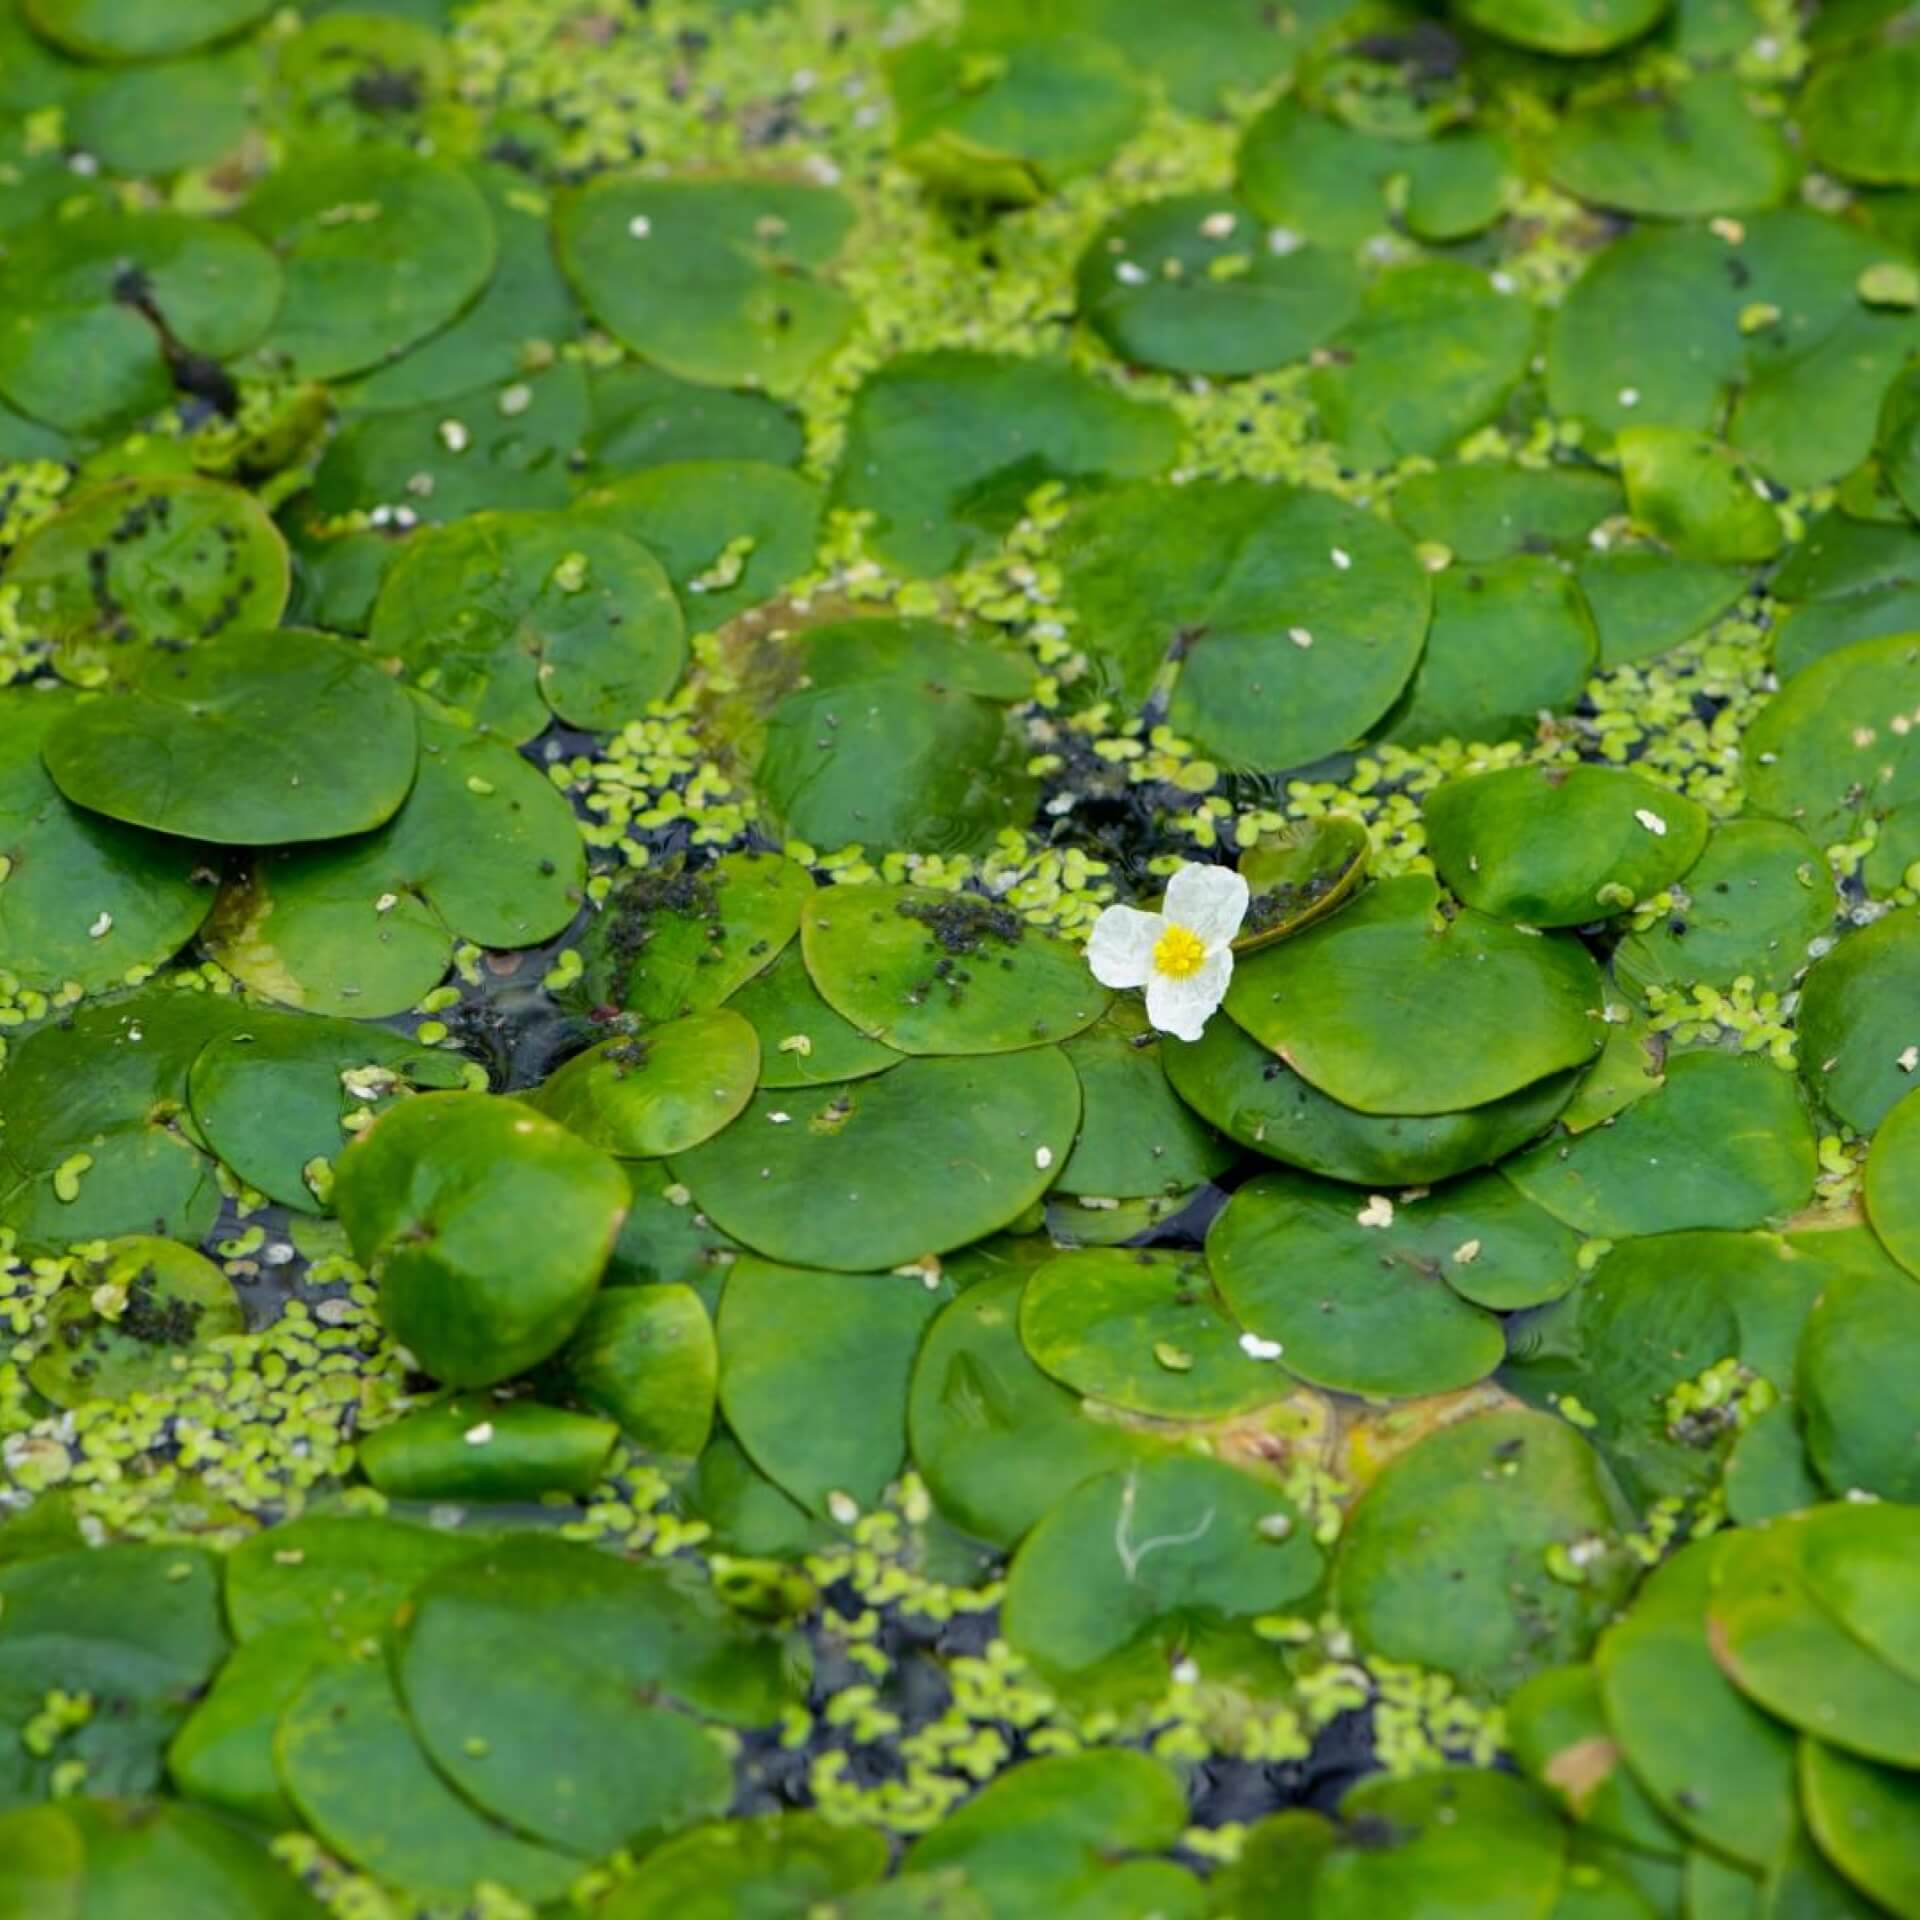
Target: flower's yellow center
1179, 953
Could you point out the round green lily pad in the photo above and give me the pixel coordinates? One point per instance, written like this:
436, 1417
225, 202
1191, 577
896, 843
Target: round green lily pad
645, 1357
646, 1095
1646, 601
1299, 873
485, 1227
356, 1773
81, 898
917, 1161
714, 280
1010, 118
944, 448
509, 615
761, 1867
1482, 512
1445, 1846
1142, 1329
1191, 284
102, 309
162, 116
643, 417
1754, 903
1858, 1019
1893, 1200
1356, 1291
275, 1094
484, 849
132, 30
895, 733
803, 1042
1723, 1143
1056, 1833
505, 448
473, 1447
1449, 1559
997, 1441
130, 1320
1689, 492
1167, 1560
1557, 846
1857, 114
1433, 354
1294, 618
675, 939
1137, 1138
527, 1670
381, 246
1652, 1350
180, 750
793, 1341
944, 973
222, 1756
1390, 1005
170, 560
1775, 1633
730, 533
137, 1627
1856, 1362
1572, 27
1866, 1820
1558, 1728
90, 1145
342, 1577
1231, 1080
1511, 639
1674, 154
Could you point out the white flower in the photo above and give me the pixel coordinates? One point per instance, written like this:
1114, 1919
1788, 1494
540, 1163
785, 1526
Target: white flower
1182, 956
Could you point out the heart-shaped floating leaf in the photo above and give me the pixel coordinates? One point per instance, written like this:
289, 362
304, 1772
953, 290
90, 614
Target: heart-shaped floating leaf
1170, 1558
1230, 1079
276, 1093
645, 1357
132, 30
944, 448
1867, 1820
81, 898
485, 1226
1482, 512
1857, 1019
180, 560
1351, 1004
1725, 1142
944, 973
485, 849
643, 1096
1447, 1559
381, 246
179, 751
104, 309
917, 1161
790, 1340
756, 1864
1556, 846
714, 280
803, 1042
1294, 619
130, 1320
996, 1477
1299, 873
1190, 284
1142, 1329
526, 1670
356, 1773
508, 616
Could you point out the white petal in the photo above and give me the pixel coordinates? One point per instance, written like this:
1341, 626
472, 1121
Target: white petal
1210, 900
1183, 1007
1120, 948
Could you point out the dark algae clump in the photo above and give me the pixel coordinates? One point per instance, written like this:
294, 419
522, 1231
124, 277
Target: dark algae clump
959, 959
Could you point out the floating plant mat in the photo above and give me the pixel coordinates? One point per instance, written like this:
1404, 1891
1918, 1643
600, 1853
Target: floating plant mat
605, 612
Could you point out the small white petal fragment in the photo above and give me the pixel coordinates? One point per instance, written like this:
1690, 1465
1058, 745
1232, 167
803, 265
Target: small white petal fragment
639, 226
1043, 1158
844, 1508
480, 1435
1256, 1348
1651, 821
1909, 1060
1466, 1253
101, 927
1378, 1212
1300, 636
